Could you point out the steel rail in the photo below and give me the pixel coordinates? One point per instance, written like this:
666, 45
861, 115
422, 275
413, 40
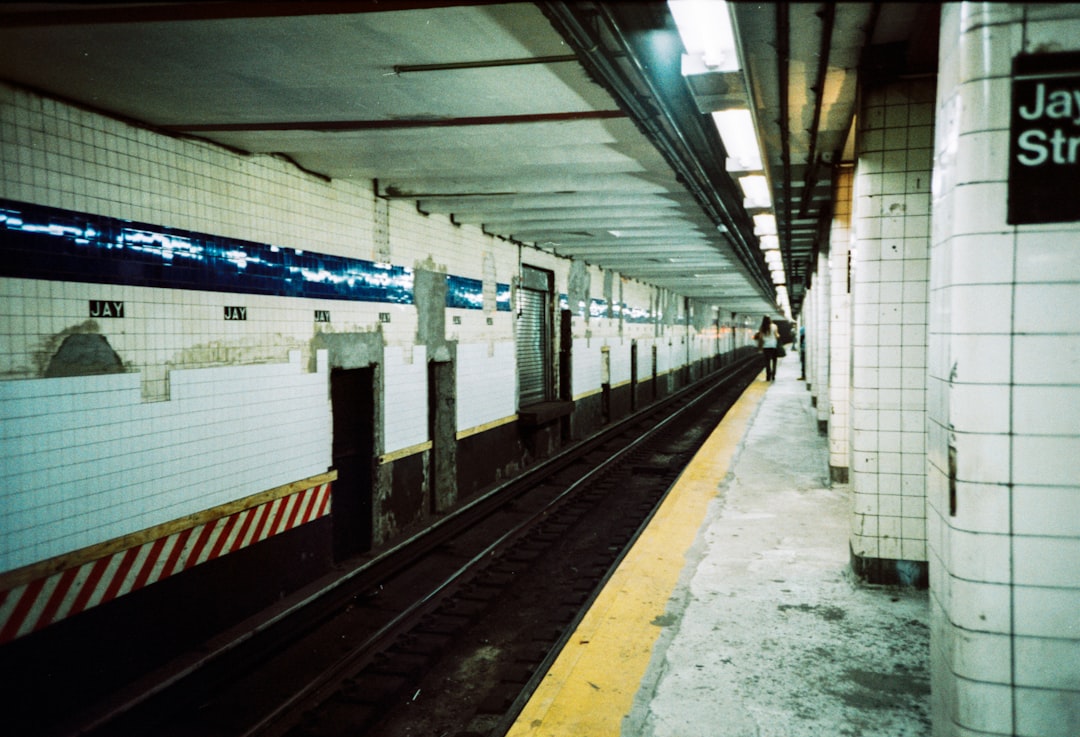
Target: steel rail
383, 565
504, 724
331, 677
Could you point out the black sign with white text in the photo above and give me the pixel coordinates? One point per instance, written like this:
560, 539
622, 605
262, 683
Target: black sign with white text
1044, 139
106, 308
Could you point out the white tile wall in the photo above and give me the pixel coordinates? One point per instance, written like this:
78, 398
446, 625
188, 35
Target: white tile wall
58, 156
55, 155
619, 353
405, 397
486, 376
889, 317
84, 459
1003, 384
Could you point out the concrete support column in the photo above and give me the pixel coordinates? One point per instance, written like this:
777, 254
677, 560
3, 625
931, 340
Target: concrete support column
821, 356
890, 280
1004, 379
840, 328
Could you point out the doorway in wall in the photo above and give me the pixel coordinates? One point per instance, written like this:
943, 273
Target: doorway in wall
654, 374
534, 336
605, 383
352, 400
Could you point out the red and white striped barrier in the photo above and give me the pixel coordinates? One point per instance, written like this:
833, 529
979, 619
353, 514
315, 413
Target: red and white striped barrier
51, 598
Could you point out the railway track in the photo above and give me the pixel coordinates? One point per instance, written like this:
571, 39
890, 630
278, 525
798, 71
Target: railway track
447, 633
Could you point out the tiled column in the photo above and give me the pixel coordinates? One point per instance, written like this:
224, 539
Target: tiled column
1004, 402
812, 362
840, 329
890, 277
821, 356
811, 339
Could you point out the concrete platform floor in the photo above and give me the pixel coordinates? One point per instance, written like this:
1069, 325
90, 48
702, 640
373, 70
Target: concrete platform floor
735, 613
770, 634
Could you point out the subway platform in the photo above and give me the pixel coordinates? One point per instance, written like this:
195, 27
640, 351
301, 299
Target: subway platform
736, 614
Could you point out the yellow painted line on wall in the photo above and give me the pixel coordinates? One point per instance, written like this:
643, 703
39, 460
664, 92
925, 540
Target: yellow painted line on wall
469, 432
397, 455
592, 684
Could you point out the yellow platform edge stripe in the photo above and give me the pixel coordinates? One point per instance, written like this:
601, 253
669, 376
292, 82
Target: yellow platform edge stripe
590, 687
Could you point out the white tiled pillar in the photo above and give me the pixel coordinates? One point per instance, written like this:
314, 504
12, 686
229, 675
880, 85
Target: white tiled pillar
821, 357
810, 318
840, 328
817, 382
1004, 403
890, 278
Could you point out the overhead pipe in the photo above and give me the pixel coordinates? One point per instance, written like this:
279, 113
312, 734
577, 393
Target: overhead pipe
783, 57
751, 254
868, 35
828, 21
673, 145
871, 25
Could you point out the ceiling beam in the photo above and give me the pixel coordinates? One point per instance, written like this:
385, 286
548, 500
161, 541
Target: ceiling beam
615, 245
544, 201
423, 188
614, 218
553, 232
482, 64
72, 14
394, 124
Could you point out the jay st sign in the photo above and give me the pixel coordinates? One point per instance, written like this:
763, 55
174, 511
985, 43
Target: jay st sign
1044, 140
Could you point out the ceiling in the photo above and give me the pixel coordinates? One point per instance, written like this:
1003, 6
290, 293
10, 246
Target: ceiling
568, 126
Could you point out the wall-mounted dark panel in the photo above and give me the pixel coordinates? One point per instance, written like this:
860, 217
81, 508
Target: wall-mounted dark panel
1044, 139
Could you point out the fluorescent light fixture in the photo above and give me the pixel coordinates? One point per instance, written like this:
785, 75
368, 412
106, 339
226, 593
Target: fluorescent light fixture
773, 257
736, 128
769, 242
764, 224
756, 189
706, 32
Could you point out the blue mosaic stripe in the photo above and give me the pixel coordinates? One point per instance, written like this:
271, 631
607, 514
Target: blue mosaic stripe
598, 308
468, 294
38, 242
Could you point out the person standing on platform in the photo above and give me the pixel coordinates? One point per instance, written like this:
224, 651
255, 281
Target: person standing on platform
768, 338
